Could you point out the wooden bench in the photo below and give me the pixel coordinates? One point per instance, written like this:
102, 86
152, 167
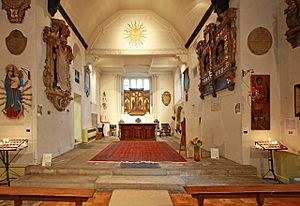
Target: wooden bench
18, 194
246, 191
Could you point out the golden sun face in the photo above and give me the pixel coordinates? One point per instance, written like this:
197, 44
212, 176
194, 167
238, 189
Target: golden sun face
135, 34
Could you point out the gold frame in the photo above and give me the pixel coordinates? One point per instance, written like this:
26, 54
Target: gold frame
56, 74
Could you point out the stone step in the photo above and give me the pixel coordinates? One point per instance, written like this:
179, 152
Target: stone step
56, 181
139, 172
110, 182
181, 171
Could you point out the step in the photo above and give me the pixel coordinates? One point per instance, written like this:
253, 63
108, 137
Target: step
139, 172
110, 182
55, 181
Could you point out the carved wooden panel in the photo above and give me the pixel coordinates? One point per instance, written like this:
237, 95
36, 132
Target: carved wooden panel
56, 74
293, 22
15, 9
216, 55
136, 102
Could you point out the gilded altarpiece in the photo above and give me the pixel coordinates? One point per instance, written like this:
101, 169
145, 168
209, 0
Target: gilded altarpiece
216, 55
136, 102
56, 74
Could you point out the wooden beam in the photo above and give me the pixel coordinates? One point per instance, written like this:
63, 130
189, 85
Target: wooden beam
72, 25
200, 25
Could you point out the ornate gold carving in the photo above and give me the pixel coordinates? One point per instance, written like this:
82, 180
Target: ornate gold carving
136, 102
259, 41
293, 22
15, 9
59, 56
216, 55
166, 98
16, 42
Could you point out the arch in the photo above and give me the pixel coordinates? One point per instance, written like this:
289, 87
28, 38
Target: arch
77, 62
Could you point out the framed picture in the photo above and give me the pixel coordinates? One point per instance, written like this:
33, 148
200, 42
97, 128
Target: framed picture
297, 100
186, 82
87, 78
77, 76
260, 104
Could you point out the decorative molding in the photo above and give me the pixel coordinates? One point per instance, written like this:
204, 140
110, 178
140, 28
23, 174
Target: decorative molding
97, 52
16, 42
216, 55
293, 22
56, 75
16, 9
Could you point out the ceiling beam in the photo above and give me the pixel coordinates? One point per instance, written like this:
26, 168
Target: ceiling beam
72, 25
199, 26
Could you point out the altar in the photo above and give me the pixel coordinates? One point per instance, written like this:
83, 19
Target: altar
137, 131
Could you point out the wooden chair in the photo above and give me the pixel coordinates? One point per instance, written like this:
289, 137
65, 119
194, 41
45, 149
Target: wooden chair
165, 129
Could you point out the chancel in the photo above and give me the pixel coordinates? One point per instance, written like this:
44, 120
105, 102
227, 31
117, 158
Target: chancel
150, 102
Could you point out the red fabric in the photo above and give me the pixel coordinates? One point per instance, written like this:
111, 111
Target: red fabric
138, 151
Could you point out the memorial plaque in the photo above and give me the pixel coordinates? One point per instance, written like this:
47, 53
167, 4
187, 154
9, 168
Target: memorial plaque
259, 41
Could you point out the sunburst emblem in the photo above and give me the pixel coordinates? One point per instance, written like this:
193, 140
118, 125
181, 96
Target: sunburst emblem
135, 33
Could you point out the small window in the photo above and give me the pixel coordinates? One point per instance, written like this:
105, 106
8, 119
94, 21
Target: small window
139, 84
146, 84
133, 84
126, 84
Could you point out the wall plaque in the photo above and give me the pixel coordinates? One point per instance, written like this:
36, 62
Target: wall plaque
15, 9
259, 41
16, 42
56, 74
166, 98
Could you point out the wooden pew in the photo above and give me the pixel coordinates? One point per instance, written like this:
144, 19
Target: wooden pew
243, 191
18, 194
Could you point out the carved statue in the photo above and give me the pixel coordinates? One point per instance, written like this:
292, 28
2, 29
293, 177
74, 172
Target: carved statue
16, 9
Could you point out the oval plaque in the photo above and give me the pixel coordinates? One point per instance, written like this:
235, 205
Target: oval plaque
259, 41
166, 98
16, 42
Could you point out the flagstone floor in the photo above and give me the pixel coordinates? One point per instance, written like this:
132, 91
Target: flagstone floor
72, 169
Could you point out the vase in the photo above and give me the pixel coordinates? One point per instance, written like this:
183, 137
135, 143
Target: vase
197, 153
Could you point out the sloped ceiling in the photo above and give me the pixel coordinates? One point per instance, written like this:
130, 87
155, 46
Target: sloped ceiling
183, 15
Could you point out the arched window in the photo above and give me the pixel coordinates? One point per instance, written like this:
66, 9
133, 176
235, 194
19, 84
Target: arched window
178, 85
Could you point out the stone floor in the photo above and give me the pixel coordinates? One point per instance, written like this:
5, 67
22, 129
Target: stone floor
72, 169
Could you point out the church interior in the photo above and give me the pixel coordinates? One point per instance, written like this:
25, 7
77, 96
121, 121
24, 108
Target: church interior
151, 100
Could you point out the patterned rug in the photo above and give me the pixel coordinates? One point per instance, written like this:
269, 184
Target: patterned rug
138, 151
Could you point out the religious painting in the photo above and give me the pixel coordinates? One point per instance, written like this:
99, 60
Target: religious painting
297, 100
136, 102
77, 76
87, 81
15, 93
186, 82
293, 22
260, 104
166, 98
15, 9
216, 55
56, 75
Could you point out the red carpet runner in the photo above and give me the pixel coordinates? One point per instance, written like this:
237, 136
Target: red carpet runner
138, 151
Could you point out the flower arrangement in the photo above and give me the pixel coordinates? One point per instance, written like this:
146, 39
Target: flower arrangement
196, 142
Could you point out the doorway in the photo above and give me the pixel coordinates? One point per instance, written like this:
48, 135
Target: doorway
77, 118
